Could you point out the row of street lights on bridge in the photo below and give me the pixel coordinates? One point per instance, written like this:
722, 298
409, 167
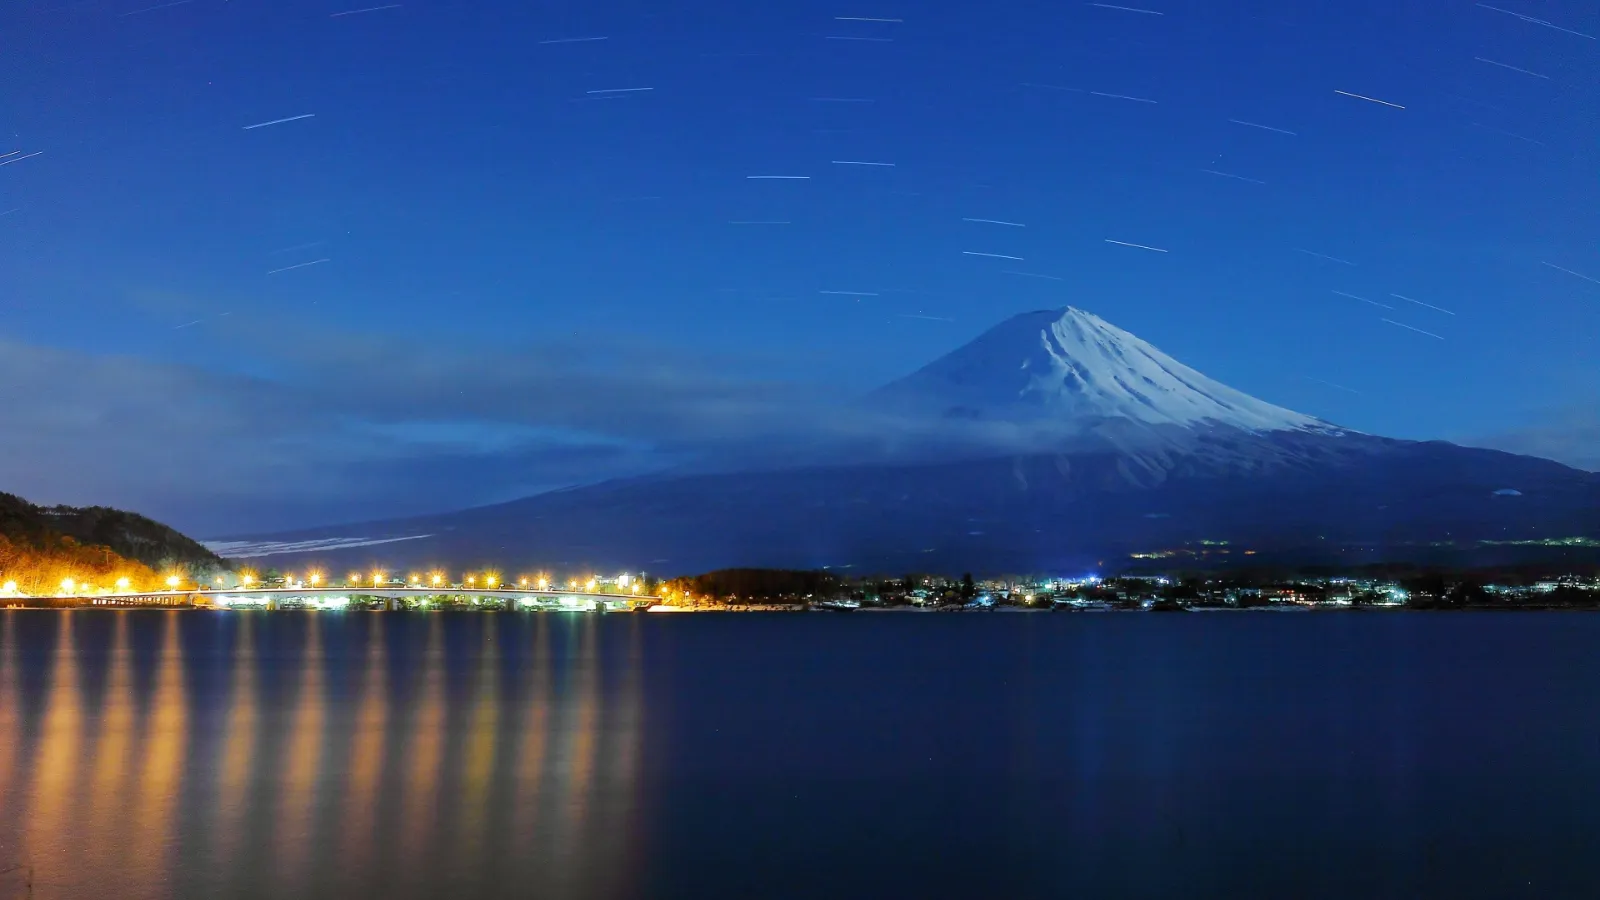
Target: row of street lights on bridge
490, 582
71, 586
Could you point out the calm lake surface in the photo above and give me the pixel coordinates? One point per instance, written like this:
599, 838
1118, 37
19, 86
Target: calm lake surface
228, 754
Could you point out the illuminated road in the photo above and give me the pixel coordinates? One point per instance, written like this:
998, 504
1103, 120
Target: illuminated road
546, 599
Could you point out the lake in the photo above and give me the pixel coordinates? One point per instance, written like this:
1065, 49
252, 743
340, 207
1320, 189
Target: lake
408, 755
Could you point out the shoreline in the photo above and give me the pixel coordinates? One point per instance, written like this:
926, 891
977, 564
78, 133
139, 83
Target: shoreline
790, 609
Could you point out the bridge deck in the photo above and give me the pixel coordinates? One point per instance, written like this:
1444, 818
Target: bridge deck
387, 593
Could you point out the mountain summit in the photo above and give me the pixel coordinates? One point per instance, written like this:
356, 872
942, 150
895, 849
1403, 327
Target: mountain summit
1072, 367
1114, 449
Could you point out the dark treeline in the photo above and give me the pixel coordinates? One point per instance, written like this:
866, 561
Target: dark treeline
40, 547
757, 584
134, 536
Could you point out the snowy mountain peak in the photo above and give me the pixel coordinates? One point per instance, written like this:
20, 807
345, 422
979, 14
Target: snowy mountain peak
1071, 366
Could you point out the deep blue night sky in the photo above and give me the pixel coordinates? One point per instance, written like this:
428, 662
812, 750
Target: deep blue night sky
520, 283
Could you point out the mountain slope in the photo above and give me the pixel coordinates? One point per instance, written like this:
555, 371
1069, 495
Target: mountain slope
1018, 513
1073, 367
1141, 453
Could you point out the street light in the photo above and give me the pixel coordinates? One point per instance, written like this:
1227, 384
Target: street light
122, 583
316, 578
524, 582
247, 580
376, 577
472, 579
173, 581
67, 584
437, 579
9, 587
489, 581
544, 583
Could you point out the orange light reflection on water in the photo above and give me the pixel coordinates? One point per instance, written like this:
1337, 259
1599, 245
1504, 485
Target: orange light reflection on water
10, 714
532, 750
368, 756
297, 793
56, 766
112, 779
160, 757
234, 776
483, 732
421, 790
130, 769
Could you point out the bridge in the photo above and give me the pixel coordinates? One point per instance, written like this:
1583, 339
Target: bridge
338, 597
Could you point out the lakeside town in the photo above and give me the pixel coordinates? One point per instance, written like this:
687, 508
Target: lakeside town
66, 557
1139, 592
769, 590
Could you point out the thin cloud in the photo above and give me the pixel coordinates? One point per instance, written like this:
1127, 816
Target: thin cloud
339, 434
1569, 435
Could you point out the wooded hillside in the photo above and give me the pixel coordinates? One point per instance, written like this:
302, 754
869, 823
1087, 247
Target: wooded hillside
40, 547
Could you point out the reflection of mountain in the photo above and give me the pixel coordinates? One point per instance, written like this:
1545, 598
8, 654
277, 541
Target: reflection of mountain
1130, 450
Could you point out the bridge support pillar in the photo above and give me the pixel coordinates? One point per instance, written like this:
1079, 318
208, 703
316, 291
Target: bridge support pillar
272, 603
391, 604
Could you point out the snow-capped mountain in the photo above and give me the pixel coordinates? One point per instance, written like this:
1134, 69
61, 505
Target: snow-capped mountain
1072, 367
1068, 384
1124, 450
